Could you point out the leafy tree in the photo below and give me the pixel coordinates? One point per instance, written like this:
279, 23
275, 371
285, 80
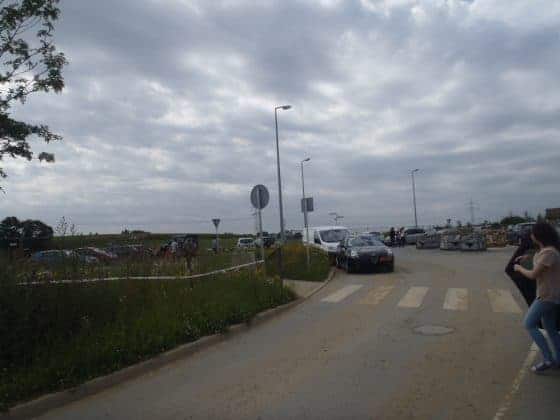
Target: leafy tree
512, 220
32, 234
29, 63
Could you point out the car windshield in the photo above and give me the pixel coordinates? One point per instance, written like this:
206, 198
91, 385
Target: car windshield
365, 241
333, 235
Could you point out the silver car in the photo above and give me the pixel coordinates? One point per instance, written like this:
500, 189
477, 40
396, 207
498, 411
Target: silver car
412, 235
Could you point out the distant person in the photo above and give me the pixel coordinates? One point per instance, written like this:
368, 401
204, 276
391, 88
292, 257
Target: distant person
173, 246
392, 236
402, 238
546, 306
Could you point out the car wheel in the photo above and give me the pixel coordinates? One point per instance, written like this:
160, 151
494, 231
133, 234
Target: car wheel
391, 267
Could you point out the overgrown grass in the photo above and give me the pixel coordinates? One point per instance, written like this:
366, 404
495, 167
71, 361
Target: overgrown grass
295, 263
72, 269
58, 336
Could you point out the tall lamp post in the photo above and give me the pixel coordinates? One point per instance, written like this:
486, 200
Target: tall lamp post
282, 234
304, 203
414, 196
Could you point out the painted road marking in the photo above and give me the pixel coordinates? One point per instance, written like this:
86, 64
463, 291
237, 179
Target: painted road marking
502, 301
342, 293
414, 297
376, 295
510, 397
456, 299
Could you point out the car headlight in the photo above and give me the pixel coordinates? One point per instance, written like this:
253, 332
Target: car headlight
389, 251
354, 253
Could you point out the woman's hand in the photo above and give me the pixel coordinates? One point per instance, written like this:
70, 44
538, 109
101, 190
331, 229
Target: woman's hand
521, 258
517, 268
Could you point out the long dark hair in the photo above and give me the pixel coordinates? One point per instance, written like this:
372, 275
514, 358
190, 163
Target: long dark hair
546, 235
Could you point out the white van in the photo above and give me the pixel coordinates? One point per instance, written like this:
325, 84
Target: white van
326, 238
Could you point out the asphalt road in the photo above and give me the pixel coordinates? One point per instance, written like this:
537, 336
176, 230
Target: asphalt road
362, 348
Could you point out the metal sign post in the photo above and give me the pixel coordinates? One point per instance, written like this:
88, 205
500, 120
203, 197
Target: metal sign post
259, 213
259, 199
306, 207
216, 224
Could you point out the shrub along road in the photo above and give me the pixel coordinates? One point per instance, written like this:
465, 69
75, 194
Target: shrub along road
439, 338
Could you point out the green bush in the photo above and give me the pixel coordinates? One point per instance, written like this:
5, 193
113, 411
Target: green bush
58, 336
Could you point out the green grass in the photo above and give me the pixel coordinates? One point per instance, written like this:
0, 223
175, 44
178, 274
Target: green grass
295, 263
58, 336
123, 267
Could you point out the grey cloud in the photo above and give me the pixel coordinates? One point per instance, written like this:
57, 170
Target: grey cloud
168, 114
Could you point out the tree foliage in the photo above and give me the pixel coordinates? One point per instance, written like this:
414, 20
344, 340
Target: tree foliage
512, 220
29, 63
32, 234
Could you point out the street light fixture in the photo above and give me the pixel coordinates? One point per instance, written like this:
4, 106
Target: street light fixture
304, 204
414, 196
282, 234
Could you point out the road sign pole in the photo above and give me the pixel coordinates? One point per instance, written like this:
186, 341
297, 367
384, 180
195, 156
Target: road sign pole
259, 200
217, 241
304, 201
260, 228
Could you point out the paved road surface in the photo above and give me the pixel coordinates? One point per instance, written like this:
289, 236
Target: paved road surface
354, 351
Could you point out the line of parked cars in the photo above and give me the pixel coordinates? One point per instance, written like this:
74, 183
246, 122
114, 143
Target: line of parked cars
89, 254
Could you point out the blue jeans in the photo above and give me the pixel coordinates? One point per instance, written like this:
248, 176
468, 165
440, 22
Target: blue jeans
548, 313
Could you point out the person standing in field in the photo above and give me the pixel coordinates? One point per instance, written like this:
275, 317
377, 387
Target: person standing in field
546, 307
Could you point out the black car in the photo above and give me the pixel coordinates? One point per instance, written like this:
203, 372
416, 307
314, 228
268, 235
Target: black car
363, 252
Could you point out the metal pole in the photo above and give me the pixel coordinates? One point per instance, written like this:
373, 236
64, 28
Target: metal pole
304, 202
414, 198
217, 241
260, 229
282, 235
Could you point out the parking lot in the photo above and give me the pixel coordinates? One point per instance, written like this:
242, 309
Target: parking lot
441, 337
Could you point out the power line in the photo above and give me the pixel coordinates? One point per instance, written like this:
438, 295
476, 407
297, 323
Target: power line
472, 206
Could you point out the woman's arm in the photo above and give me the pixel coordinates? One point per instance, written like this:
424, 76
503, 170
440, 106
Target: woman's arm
531, 274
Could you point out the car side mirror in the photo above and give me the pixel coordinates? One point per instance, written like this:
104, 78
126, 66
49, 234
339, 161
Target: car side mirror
317, 241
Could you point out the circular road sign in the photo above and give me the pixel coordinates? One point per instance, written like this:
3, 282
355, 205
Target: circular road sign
259, 192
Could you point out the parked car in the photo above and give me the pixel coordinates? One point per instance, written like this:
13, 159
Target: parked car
54, 256
429, 240
363, 252
97, 253
327, 238
245, 243
377, 235
134, 250
412, 235
268, 241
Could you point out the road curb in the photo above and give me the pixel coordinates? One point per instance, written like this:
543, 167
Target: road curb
55, 400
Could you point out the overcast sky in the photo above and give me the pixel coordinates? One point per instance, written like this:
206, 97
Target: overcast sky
168, 113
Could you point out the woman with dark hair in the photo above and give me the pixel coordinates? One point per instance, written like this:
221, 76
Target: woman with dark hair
546, 272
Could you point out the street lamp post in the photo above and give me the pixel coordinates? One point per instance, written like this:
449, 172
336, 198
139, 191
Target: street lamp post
414, 196
282, 234
304, 203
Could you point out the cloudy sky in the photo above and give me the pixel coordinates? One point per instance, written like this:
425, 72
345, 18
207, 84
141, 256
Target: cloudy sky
168, 112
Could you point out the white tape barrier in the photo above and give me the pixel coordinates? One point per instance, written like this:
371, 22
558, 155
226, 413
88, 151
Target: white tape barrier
194, 276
